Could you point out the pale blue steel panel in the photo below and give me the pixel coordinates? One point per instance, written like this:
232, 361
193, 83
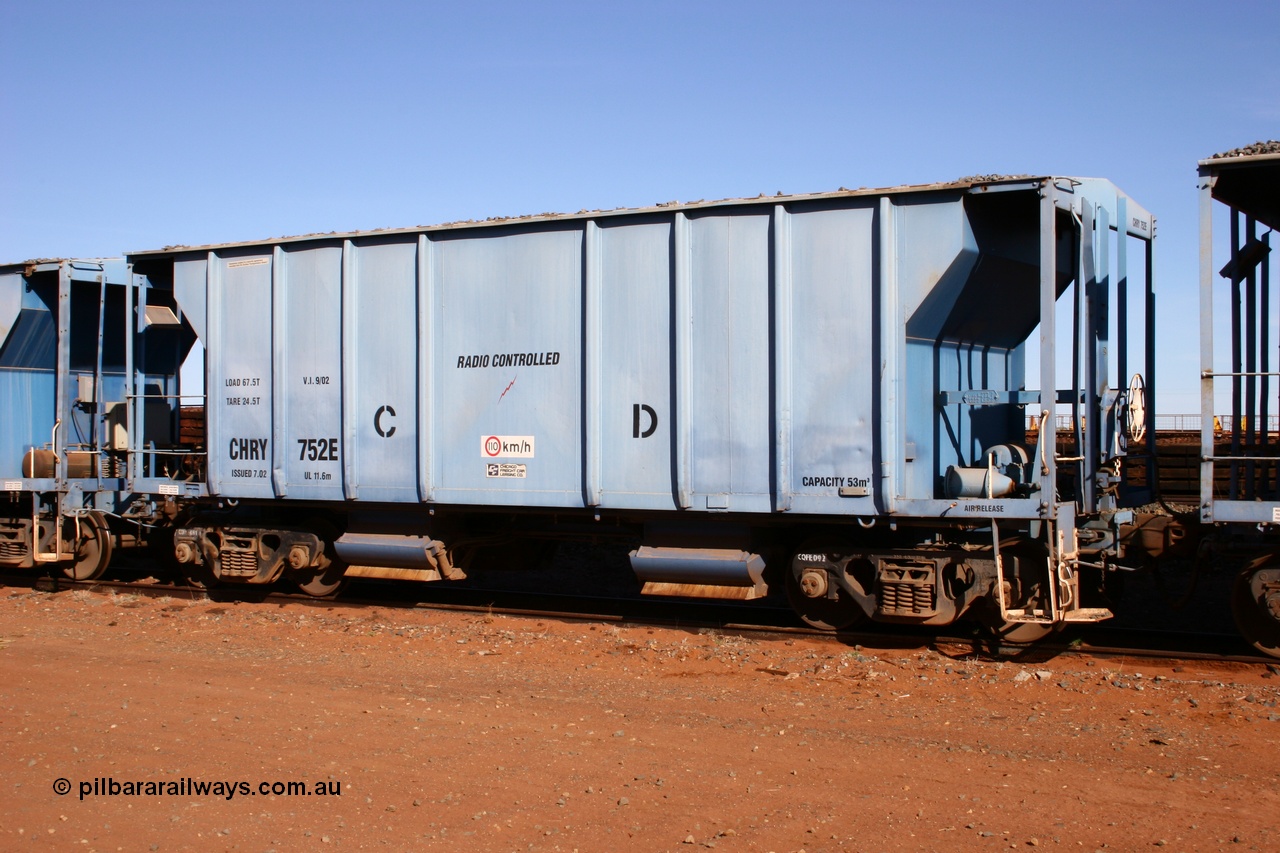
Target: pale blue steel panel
240, 402
1048, 348
312, 371
427, 277
1206, 182
1122, 295
190, 289
592, 368
731, 360
386, 374
636, 352
783, 357
350, 422
966, 431
63, 423
12, 286
1102, 332
682, 341
936, 252
26, 401
279, 366
26, 393
891, 361
834, 362
509, 320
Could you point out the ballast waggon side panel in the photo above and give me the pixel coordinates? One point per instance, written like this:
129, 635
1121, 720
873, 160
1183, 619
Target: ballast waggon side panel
797, 364
833, 355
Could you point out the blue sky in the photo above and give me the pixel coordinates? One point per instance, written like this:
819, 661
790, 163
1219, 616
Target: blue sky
138, 125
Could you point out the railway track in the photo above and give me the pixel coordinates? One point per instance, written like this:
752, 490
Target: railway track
1098, 640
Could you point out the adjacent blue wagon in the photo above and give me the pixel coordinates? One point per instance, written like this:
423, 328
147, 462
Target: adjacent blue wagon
78, 381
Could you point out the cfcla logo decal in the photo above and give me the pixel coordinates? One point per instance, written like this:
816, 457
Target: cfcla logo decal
388, 431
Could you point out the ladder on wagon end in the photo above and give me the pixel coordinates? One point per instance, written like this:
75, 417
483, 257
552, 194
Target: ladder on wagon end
1061, 604
55, 556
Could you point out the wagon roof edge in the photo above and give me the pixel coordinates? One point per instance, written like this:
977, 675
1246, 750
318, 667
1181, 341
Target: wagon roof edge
661, 207
47, 263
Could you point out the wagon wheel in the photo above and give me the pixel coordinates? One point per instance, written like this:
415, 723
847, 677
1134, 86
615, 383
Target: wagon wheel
1020, 633
203, 575
327, 579
324, 582
808, 591
1255, 599
199, 576
93, 549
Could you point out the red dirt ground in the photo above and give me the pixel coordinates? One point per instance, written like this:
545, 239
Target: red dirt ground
461, 731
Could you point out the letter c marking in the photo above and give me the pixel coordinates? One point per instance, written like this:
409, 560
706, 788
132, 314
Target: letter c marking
377, 421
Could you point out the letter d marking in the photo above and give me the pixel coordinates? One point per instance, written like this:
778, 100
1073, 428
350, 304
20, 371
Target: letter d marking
636, 409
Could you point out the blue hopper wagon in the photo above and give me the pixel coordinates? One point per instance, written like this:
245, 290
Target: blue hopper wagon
853, 394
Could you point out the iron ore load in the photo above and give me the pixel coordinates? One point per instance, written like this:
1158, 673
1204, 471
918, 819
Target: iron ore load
831, 392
